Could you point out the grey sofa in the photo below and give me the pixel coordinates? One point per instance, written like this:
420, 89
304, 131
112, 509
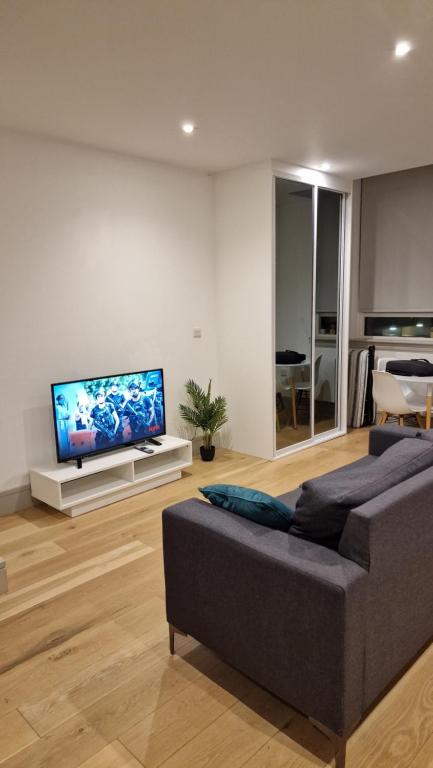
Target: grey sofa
326, 631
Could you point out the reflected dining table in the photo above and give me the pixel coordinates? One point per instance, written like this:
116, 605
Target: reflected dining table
426, 381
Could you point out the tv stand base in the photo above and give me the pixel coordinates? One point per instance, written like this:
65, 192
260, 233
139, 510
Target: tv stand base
111, 477
81, 509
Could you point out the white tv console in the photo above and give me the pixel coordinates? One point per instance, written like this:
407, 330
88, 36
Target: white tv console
111, 477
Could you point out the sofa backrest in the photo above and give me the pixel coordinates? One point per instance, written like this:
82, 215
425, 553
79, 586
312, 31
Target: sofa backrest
381, 438
377, 519
392, 537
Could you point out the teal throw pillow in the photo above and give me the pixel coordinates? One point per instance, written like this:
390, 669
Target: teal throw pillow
254, 505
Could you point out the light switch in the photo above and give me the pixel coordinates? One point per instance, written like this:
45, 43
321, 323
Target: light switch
196, 333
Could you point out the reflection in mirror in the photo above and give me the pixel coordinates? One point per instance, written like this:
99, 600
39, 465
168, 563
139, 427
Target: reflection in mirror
293, 303
327, 309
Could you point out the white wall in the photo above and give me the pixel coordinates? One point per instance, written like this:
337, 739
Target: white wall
106, 266
243, 229
396, 265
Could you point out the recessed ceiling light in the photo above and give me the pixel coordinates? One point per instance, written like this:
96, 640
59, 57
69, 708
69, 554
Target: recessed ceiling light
188, 127
325, 166
402, 48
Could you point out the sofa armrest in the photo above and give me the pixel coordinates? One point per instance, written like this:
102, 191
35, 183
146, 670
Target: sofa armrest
286, 612
392, 536
383, 437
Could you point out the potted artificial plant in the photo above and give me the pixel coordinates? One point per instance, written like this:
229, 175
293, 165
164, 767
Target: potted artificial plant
205, 414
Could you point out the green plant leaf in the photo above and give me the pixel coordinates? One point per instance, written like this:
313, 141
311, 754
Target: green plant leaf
203, 412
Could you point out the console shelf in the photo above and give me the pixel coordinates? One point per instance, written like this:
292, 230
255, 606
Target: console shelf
105, 479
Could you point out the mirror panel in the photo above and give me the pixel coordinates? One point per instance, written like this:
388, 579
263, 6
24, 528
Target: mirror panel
328, 243
293, 303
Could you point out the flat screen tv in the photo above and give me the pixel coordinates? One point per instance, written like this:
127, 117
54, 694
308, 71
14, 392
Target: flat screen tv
97, 415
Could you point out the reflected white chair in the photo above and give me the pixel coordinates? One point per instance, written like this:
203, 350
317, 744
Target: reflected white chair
391, 400
279, 403
283, 376
304, 382
299, 380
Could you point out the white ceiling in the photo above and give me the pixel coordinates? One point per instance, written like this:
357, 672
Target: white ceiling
299, 80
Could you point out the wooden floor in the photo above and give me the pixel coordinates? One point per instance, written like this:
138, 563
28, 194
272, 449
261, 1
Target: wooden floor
87, 681
287, 436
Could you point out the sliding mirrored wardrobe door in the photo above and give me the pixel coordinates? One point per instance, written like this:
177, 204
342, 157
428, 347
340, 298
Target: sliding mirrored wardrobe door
309, 252
293, 311
327, 309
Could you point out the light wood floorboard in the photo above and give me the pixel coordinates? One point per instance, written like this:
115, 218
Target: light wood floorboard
15, 734
87, 680
424, 758
113, 756
22, 559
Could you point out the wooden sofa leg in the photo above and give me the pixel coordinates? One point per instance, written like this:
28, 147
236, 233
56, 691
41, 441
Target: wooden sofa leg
340, 752
171, 633
339, 742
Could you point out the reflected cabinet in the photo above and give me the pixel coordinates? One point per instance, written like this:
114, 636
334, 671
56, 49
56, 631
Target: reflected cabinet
308, 258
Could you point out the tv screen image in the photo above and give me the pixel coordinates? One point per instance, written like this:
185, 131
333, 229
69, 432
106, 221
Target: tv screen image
97, 415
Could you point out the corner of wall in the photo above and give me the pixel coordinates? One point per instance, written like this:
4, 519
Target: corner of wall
243, 264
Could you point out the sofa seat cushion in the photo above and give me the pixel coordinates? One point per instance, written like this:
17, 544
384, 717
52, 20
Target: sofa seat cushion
325, 502
254, 505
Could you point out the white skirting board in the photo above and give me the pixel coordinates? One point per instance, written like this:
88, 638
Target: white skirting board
15, 499
112, 477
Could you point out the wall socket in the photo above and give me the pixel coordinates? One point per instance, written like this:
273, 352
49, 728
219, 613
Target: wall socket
196, 333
